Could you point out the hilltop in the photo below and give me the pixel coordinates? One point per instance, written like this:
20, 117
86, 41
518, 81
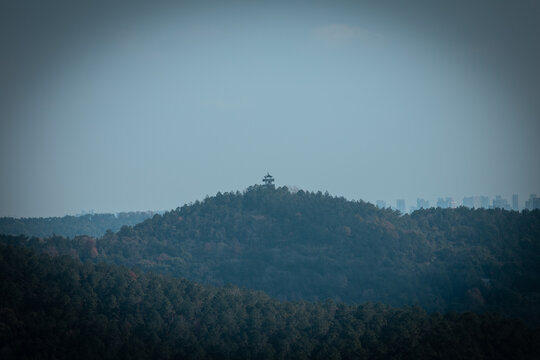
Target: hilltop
314, 246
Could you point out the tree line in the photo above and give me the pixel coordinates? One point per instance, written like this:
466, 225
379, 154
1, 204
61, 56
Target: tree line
60, 308
70, 226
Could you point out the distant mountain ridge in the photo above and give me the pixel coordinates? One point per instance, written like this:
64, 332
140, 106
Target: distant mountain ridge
308, 245
69, 226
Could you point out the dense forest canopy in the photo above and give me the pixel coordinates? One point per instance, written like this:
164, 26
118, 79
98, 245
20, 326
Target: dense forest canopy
60, 308
69, 226
313, 246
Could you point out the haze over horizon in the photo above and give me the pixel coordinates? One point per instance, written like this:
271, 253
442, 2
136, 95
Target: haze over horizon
118, 106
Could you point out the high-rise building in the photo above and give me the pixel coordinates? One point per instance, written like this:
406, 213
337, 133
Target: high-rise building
469, 202
422, 204
533, 202
381, 204
483, 202
446, 203
500, 203
476, 202
515, 202
400, 205
441, 203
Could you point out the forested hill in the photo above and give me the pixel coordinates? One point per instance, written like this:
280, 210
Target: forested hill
70, 226
59, 308
314, 246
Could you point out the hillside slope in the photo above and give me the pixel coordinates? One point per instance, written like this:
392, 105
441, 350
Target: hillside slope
314, 246
59, 308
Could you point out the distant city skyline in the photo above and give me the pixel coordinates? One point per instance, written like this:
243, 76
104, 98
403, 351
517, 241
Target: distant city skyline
475, 201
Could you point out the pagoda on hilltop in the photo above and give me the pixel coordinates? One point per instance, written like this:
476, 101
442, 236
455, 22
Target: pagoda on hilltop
268, 180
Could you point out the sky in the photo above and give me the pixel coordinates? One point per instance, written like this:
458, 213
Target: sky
132, 105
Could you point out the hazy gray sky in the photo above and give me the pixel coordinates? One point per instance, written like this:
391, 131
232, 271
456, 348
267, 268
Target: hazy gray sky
118, 105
